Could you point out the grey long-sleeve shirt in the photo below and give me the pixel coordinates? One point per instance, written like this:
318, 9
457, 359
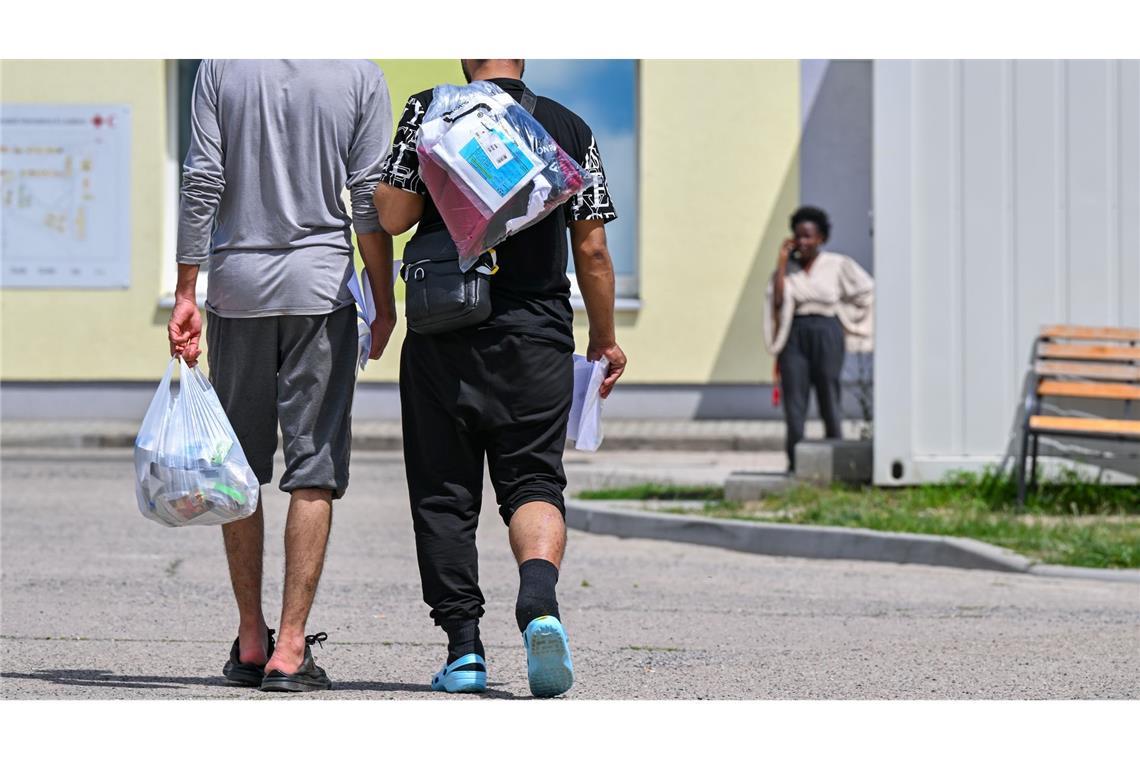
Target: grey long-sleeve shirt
272, 146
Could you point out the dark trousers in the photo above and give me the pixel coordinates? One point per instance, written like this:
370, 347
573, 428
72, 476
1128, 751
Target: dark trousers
466, 395
812, 358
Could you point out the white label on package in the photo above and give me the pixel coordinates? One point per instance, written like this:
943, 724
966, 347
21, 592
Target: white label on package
494, 165
493, 145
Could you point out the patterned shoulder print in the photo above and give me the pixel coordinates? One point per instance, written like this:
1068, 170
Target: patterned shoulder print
593, 203
402, 167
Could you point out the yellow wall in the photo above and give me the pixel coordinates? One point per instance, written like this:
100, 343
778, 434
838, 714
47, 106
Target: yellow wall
121, 334
716, 191
96, 334
719, 179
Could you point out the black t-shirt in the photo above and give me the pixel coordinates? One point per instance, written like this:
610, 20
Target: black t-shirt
530, 293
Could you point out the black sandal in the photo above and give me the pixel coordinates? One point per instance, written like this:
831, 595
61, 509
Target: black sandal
309, 677
244, 673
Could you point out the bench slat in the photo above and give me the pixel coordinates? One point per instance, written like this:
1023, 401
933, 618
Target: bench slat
1081, 332
1080, 351
1089, 390
1076, 425
1093, 370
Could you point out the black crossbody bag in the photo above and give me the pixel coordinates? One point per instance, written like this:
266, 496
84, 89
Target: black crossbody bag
438, 297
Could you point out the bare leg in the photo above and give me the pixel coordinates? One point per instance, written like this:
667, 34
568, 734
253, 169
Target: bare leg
538, 539
244, 540
537, 531
306, 537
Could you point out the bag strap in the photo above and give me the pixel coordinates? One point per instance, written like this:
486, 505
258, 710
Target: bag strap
457, 116
528, 100
487, 263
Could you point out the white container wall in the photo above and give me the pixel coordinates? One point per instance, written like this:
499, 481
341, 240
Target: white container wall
1007, 196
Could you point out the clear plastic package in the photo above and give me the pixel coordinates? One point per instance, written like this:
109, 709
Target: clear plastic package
490, 167
189, 466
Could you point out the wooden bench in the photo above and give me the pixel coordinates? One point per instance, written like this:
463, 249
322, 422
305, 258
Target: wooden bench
1074, 332
1072, 361
1089, 352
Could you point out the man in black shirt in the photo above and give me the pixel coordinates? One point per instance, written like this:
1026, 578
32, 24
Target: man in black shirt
501, 389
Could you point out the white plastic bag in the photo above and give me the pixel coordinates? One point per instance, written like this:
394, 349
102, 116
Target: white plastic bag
189, 467
585, 424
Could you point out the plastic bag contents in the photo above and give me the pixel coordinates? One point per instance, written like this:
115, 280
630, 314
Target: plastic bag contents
490, 167
189, 467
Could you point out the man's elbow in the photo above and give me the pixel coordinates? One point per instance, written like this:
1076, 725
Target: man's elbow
394, 226
202, 183
395, 217
593, 258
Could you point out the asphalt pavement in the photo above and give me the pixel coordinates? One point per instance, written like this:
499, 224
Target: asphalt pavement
99, 603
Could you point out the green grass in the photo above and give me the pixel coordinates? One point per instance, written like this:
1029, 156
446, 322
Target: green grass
1069, 521
656, 492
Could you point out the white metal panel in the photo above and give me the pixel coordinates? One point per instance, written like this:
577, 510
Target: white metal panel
1090, 146
936, 183
892, 190
986, 378
1040, 265
1128, 140
1007, 196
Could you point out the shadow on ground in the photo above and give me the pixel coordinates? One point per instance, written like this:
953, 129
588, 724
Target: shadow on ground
108, 679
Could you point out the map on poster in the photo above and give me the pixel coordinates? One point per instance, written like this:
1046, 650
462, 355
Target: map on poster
65, 196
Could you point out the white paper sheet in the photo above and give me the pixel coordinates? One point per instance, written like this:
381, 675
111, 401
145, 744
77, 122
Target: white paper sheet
585, 425
366, 310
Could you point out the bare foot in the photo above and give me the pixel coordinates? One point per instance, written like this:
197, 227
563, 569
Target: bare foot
288, 654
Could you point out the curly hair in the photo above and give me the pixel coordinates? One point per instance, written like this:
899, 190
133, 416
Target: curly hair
816, 216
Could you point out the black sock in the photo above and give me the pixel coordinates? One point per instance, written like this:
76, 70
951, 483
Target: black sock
462, 639
537, 579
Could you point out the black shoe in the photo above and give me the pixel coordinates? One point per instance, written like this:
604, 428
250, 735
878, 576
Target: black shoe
309, 677
245, 673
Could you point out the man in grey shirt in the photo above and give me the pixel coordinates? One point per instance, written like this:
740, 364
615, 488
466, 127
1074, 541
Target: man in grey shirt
273, 144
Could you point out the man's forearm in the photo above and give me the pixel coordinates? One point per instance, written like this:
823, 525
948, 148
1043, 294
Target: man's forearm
376, 250
595, 272
595, 275
187, 287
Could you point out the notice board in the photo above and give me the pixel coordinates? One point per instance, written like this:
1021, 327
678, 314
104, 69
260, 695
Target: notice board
65, 196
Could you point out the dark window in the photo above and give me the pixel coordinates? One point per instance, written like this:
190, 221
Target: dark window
604, 93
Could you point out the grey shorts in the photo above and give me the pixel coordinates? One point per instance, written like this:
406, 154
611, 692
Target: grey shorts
296, 370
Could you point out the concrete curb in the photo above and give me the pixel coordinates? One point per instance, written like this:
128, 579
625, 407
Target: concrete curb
368, 441
818, 542
69, 441
1088, 573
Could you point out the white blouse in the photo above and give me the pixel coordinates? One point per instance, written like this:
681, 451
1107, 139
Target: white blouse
835, 286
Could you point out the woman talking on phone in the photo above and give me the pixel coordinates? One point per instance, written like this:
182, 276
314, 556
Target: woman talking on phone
817, 301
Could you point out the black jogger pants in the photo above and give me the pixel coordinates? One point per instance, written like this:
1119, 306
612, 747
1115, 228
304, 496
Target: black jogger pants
466, 395
812, 358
